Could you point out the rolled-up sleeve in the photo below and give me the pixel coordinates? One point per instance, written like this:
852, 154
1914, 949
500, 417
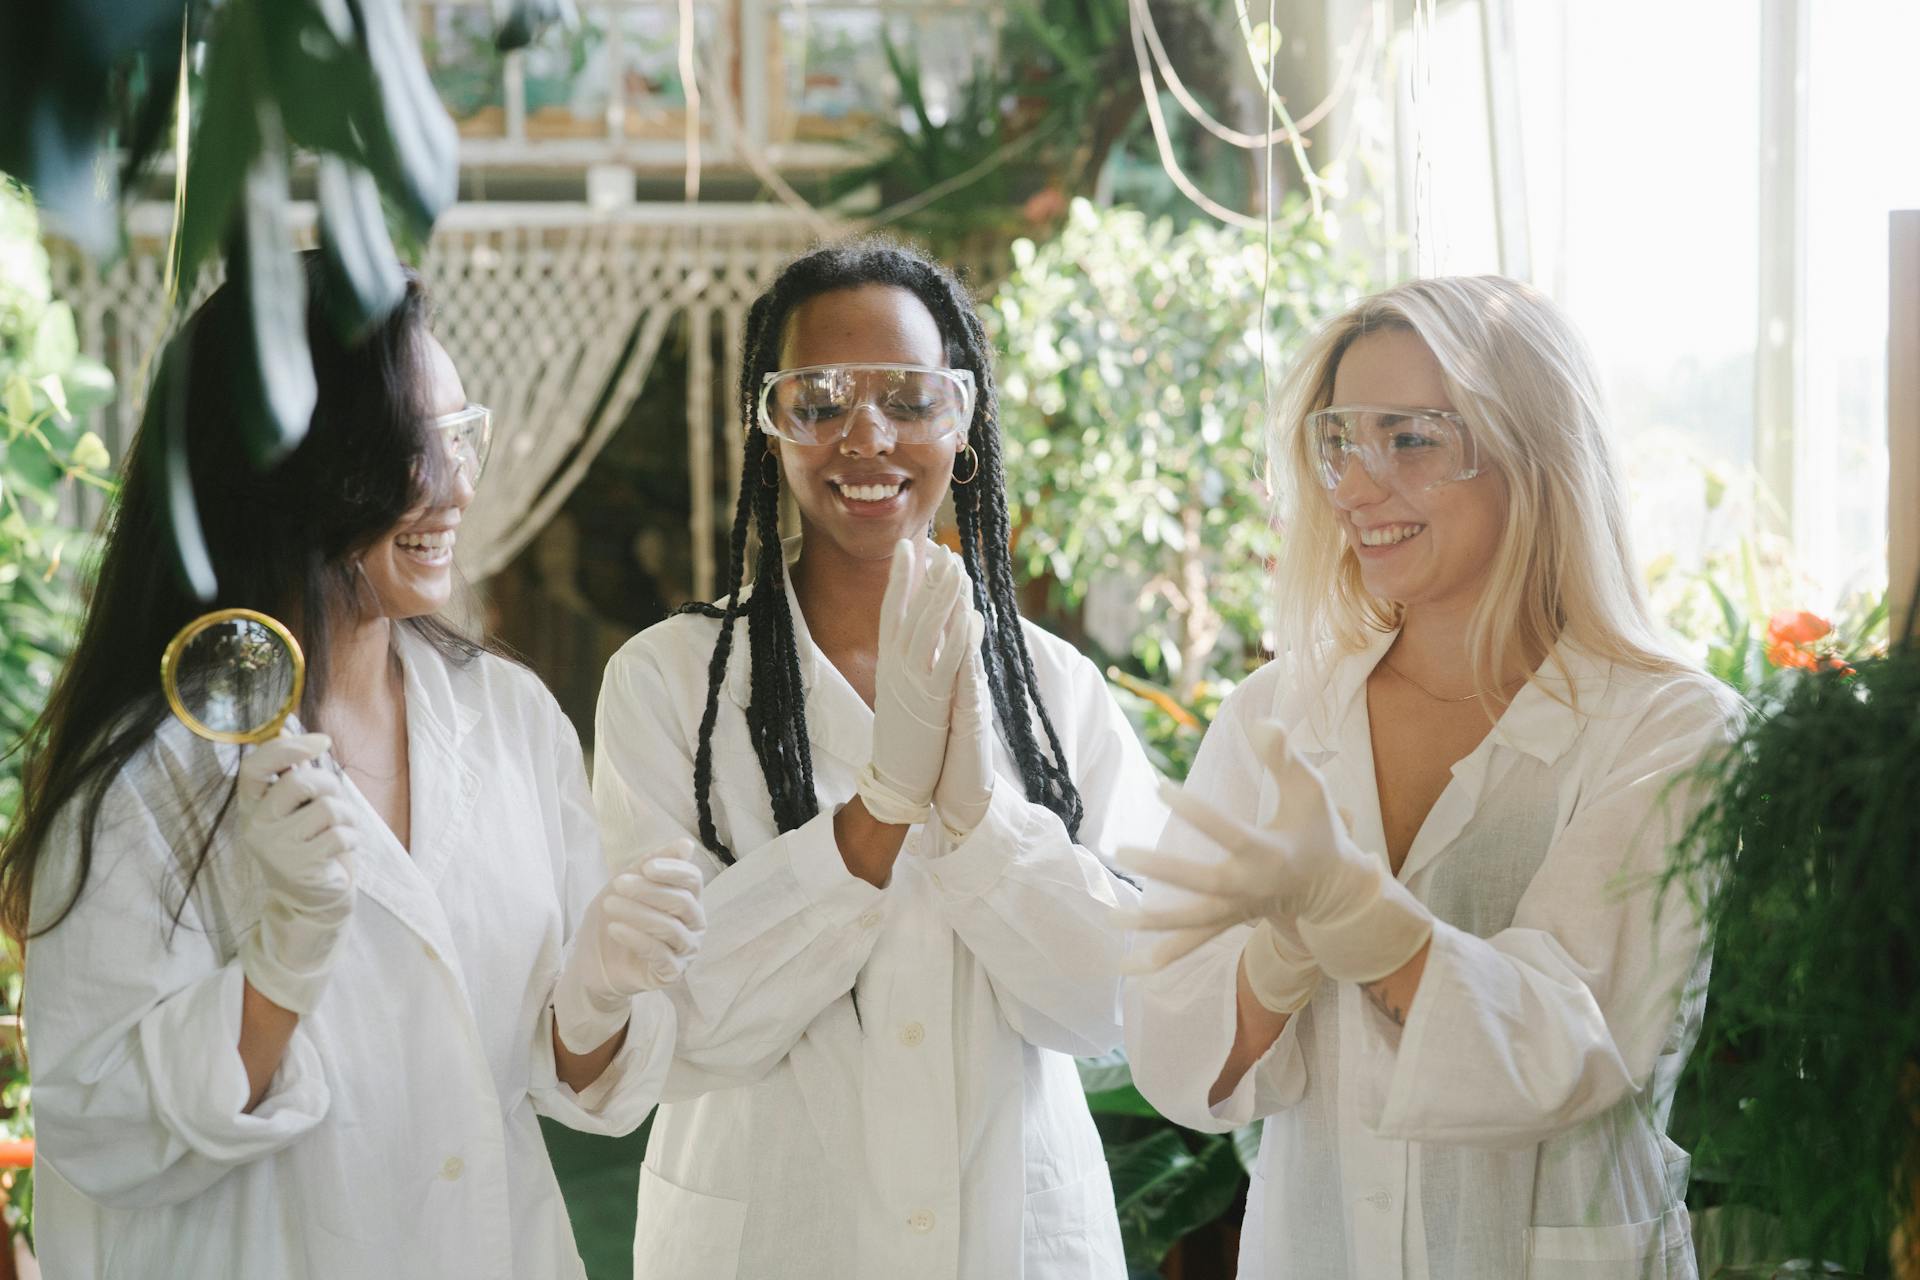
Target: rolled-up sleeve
1519, 1036
1182, 1019
630, 1086
788, 926
1037, 908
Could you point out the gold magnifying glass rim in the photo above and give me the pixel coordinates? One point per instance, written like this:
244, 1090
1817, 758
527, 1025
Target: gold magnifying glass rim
169, 662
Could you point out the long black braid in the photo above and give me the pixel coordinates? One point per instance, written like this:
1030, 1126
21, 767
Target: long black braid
776, 713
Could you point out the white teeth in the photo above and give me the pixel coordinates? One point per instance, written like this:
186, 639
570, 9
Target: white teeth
430, 542
1387, 535
869, 492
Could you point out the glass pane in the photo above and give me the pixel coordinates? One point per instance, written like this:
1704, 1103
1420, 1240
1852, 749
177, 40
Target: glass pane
569, 79
655, 98
457, 42
1858, 171
832, 79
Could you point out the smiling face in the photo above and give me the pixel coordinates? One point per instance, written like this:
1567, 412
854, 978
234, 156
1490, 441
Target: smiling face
867, 491
1422, 549
411, 567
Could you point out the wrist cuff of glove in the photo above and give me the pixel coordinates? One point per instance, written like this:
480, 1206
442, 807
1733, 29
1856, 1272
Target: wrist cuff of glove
886, 803
1373, 940
959, 826
287, 964
1281, 975
583, 1021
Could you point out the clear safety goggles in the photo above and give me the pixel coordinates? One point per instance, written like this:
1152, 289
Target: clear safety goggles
468, 434
1406, 450
817, 404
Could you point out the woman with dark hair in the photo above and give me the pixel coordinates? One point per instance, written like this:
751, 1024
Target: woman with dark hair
294, 1017
904, 794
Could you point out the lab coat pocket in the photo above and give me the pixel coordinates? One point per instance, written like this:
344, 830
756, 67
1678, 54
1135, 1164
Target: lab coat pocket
1657, 1249
684, 1235
1072, 1231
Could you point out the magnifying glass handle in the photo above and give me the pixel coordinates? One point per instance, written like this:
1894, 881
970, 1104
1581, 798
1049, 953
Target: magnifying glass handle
325, 759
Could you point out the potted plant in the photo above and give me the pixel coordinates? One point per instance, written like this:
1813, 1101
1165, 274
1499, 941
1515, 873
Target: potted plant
1802, 1099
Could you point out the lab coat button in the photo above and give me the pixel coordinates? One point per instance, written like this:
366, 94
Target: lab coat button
921, 1220
426, 949
453, 1168
912, 1034
1380, 1200
869, 920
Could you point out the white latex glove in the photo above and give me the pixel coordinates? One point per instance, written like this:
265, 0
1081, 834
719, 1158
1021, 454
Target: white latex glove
966, 778
638, 934
923, 626
1355, 919
294, 819
1281, 972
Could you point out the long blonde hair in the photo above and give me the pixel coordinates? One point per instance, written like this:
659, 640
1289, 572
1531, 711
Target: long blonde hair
1521, 376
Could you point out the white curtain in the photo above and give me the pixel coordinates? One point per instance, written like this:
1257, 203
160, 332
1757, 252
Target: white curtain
553, 314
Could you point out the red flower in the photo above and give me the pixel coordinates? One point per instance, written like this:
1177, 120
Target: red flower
1796, 627
1782, 654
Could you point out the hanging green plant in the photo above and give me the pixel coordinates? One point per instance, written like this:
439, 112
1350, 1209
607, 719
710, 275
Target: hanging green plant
1804, 1092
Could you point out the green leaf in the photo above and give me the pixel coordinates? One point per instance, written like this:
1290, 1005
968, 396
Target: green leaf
412, 146
358, 253
318, 74
226, 138
55, 342
19, 400
264, 263
191, 559
90, 452
1123, 1101
88, 385
56, 394
1163, 1190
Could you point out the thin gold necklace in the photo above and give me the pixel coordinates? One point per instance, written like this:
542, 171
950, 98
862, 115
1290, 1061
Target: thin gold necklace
1430, 693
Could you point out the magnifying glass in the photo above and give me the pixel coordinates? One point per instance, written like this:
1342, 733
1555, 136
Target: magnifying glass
233, 675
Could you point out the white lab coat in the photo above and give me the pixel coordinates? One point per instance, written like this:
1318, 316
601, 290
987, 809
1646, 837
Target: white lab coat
1516, 1126
398, 1136
876, 1083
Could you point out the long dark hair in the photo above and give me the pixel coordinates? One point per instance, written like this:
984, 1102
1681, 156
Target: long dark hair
776, 711
284, 540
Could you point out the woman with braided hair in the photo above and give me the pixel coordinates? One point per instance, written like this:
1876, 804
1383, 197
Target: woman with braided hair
905, 795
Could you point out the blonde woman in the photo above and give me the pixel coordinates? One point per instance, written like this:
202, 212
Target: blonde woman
1412, 922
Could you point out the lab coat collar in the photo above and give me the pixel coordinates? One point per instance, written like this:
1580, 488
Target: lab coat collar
1543, 720
1546, 717
441, 714
838, 721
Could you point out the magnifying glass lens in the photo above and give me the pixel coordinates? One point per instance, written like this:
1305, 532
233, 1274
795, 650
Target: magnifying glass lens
237, 678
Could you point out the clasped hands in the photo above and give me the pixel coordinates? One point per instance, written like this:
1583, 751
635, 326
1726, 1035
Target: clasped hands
932, 718
1320, 903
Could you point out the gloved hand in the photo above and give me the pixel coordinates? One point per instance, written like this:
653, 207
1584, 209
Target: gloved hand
294, 820
966, 779
638, 934
924, 622
1281, 972
1303, 871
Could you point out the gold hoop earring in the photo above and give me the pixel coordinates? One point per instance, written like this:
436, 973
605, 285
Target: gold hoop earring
973, 474
769, 480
